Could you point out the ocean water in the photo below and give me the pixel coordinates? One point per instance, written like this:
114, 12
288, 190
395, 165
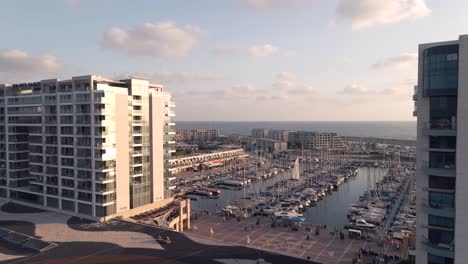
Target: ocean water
380, 129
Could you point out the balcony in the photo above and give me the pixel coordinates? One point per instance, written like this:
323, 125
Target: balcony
440, 190
443, 171
415, 93
448, 128
438, 209
415, 111
442, 250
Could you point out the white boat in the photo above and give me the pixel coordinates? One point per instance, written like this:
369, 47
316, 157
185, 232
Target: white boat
289, 213
296, 174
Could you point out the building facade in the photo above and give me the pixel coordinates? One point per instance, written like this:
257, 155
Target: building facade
88, 146
276, 134
199, 135
314, 140
267, 144
442, 141
260, 132
281, 135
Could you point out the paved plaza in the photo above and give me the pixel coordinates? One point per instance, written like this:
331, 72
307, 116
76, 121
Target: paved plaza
325, 248
116, 241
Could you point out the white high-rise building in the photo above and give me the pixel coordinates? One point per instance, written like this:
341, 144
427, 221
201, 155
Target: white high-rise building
89, 146
442, 169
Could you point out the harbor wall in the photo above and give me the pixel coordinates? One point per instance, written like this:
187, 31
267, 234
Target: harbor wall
388, 141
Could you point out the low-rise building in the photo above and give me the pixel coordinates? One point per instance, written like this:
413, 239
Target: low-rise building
187, 162
268, 144
260, 132
199, 135
281, 135
314, 140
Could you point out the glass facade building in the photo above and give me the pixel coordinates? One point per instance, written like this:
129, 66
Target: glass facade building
441, 96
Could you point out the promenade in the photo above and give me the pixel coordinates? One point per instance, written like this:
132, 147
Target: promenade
325, 248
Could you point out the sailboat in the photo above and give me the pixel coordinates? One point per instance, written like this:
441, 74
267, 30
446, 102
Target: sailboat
296, 173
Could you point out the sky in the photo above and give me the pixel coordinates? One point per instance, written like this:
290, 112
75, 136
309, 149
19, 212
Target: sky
237, 60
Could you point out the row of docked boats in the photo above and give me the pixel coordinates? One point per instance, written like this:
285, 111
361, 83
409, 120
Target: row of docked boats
286, 199
374, 207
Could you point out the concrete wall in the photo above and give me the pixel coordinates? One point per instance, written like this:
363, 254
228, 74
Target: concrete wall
157, 141
461, 199
422, 156
381, 140
122, 156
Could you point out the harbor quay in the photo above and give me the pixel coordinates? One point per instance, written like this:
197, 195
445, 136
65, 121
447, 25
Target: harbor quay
326, 246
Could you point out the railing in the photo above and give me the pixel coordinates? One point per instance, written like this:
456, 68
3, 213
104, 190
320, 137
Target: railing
447, 166
436, 205
441, 125
442, 246
415, 93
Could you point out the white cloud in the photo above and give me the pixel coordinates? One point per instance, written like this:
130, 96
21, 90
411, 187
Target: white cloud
164, 40
401, 89
173, 77
236, 92
269, 4
226, 50
365, 13
354, 89
403, 61
17, 61
263, 50
290, 54
287, 83
182, 77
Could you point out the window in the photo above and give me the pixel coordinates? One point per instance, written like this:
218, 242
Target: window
441, 221
437, 236
440, 73
442, 142
433, 259
442, 160
66, 109
447, 183
441, 200
443, 111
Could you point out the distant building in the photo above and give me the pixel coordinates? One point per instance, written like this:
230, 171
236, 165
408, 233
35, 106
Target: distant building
281, 135
179, 164
260, 132
314, 140
268, 144
198, 135
89, 146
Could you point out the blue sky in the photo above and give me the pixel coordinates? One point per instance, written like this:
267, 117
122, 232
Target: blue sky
270, 60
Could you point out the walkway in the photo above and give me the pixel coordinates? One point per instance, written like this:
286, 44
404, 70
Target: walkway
325, 248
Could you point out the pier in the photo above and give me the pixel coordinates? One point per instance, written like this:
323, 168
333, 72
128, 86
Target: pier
397, 206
